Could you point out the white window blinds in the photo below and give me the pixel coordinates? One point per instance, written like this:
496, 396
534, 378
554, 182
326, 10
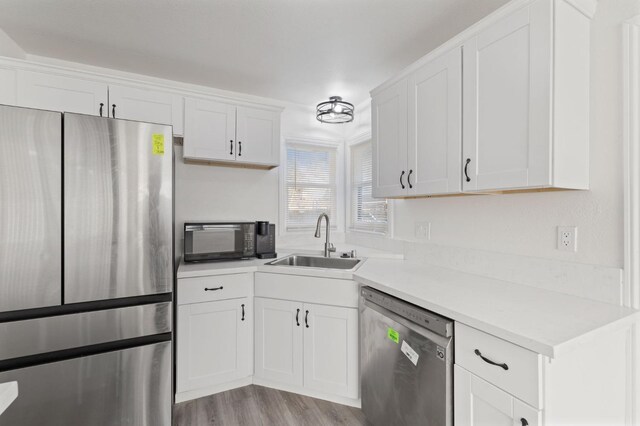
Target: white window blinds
367, 213
311, 185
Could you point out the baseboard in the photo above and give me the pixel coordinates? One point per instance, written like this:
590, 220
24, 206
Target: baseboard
212, 390
306, 392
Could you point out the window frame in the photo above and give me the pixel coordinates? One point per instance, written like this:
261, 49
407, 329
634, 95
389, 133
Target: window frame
282, 184
350, 144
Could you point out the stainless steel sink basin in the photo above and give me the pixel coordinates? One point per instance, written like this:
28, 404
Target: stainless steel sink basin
316, 262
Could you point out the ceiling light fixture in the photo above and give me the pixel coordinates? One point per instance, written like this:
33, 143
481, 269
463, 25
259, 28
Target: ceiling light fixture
334, 111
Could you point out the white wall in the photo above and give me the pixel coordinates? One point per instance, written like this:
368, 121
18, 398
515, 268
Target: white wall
525, 224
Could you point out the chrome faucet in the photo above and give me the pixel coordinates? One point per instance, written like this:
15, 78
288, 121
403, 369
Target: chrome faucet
328, 247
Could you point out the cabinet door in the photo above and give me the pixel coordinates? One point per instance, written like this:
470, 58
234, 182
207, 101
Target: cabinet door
507, 101
389, 141
59, 93
331, 350
209, 130
258, 133
479, 403
435, 126
278, 340
214, 343
146, 105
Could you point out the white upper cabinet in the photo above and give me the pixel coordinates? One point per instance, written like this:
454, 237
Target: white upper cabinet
146, 105
209, 130
507, 80
514, 113
435, 126
526, 101
389, 141
222, 132
258, 133
61, 93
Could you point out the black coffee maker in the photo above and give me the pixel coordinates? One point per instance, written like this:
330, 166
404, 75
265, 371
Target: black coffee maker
265, 240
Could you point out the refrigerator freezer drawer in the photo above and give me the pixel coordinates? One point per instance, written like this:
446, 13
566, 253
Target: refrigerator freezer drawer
30, 208
36, 336
126, 387
118, 208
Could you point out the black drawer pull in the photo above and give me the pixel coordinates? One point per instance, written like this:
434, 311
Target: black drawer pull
409, 179
401, 184
466, 166
306, 319
239, 149
488, 361
101, 106
242, 312
297, 316
113, 111
524, 422
231, 147
213, 289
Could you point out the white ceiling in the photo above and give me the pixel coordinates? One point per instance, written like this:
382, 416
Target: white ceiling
301, 51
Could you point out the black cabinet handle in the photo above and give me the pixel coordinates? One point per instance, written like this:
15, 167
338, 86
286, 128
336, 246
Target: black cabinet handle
466, 166
113, 110
409, 179
306, 319
242, 312
101, 105
239, 149
213, 288
524, 422
487, 360
231, 147
401, 184
297, 316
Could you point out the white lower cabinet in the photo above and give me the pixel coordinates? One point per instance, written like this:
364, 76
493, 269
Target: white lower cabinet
214, 343
311, 346
331, 349
479, 403
278, 341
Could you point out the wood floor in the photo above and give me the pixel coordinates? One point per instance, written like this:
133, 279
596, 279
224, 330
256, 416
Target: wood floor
256, 405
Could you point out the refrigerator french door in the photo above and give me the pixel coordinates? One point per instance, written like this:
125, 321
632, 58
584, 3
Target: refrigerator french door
86, 269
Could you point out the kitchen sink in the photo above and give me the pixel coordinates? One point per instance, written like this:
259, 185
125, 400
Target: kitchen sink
316, 262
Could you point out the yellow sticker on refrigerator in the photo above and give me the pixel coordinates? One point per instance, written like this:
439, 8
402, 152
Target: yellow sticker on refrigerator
157, 141
393, 335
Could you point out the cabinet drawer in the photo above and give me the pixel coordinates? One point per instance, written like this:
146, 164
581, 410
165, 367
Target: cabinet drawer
216, 287
518, 371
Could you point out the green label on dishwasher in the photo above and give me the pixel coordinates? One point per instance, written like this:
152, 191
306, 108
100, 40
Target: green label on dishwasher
393, 335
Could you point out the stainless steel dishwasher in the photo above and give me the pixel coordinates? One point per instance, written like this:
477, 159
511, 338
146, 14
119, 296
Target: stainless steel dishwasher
406, 362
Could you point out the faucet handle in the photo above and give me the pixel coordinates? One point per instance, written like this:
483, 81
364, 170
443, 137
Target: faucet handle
331, 248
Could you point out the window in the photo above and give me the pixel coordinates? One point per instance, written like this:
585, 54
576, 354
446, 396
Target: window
311, 185
367, 213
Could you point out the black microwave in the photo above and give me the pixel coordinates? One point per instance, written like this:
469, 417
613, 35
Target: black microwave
206, 241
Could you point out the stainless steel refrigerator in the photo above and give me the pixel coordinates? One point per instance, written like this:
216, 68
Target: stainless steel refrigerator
86, 269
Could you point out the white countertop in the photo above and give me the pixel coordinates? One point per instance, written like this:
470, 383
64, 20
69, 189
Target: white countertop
543, 321
8, 394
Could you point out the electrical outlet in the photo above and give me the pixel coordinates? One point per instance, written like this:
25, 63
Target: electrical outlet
568, 238
423, 230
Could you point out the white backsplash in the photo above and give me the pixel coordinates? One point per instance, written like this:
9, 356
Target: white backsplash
595, 282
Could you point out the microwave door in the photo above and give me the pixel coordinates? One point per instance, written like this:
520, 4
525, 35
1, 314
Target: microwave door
222, 241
